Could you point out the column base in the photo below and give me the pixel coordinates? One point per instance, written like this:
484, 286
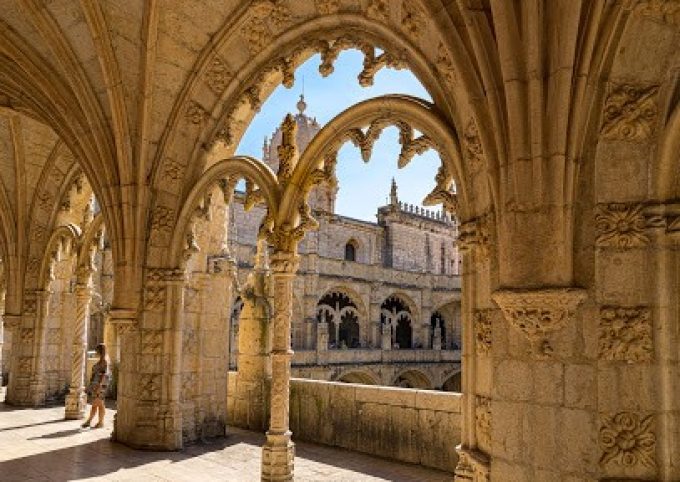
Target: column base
76, 402
473, 466
278, 454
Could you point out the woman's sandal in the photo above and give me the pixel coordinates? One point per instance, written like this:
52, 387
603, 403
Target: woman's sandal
86, 424
99, 425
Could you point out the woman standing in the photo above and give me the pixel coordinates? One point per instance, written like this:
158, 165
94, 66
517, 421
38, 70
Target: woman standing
99, 381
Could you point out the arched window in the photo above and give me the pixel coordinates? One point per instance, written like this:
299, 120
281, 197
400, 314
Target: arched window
350, 251
397, 314
340, 312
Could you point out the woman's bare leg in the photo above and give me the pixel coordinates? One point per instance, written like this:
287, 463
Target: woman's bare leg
102, 411
93, 410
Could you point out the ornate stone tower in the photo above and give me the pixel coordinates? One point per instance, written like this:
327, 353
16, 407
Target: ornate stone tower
322, 198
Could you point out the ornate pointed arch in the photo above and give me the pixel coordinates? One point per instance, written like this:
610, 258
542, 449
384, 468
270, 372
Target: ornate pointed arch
231, 88
409, 115
227, 171
58, 239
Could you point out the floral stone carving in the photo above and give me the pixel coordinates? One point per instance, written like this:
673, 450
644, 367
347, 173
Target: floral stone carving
630, 112
627, 439
483, 416
626, 333
536, 313
483, 331
620, 225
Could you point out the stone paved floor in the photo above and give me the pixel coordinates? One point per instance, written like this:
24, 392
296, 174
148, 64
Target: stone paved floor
39, 445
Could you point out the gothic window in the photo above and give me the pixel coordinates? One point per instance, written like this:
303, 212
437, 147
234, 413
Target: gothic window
342, 316
350, 251
395, 313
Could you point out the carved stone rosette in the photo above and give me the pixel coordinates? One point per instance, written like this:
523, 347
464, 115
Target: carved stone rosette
627, 439
536, 313
625, 333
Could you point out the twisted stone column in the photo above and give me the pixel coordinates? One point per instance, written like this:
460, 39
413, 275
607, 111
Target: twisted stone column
279, 451
76, 400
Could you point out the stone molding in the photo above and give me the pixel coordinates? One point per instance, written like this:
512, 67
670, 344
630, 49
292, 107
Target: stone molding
627, 439
625, 333
536, 313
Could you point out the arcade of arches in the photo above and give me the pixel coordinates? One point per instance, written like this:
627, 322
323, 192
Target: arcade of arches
558, 122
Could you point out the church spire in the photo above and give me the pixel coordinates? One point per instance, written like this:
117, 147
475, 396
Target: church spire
394, 199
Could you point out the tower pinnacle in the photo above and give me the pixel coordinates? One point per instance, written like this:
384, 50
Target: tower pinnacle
301, 104
394, 199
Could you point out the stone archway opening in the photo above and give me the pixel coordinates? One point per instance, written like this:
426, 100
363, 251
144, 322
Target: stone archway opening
413, 379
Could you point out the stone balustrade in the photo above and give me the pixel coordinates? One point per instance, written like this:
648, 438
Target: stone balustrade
358, 355
416, 426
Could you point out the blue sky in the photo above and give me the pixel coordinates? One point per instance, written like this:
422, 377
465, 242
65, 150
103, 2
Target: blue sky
363, 187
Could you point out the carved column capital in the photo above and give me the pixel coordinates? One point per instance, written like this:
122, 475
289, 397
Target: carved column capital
11, 322
474, 237
123, 320
539, 312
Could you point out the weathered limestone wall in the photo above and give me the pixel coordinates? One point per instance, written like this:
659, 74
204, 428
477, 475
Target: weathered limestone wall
415, 426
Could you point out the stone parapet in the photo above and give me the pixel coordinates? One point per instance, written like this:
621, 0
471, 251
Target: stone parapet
415, 426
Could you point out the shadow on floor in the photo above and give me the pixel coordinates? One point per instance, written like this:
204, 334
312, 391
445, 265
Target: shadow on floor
95, 459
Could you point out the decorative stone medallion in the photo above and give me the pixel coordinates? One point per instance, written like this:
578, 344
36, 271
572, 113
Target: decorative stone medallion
627, 439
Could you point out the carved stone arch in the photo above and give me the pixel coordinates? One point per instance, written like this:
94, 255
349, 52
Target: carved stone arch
299, 41
408, 301
362, 377
233, 168
71, 234
409, 114
353, 295
55, 103
414, 378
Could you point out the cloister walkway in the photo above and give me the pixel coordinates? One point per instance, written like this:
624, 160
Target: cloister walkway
39, 445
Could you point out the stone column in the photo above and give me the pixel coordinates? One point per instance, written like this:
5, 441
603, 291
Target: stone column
322, 337
279, 451
254, 365
37, 387
2, 332
386, 336
437, 338
76, 400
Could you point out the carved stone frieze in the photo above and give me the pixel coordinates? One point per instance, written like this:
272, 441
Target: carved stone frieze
327, 7
627, 439
268, 18
378, 10
445, 64
162, 219
667, 11
620, 225
630, 112
413, 19
474, 237
164, 275
483, 420
149, 387
218, 75
195, 113
152, 342
625, 333
473, 153
483, 331
536, 313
